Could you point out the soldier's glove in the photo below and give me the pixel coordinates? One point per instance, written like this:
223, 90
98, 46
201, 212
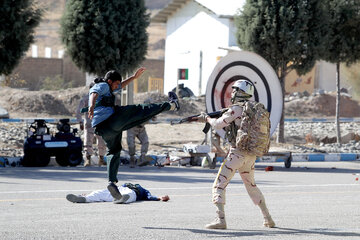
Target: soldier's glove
202, 117
81, 126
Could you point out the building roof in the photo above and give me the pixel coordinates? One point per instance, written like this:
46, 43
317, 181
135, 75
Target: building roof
223, 8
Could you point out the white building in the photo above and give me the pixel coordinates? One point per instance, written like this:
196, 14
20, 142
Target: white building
198, 34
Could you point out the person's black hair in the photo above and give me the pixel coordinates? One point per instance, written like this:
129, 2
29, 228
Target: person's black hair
92, 84
113, 75
98, 80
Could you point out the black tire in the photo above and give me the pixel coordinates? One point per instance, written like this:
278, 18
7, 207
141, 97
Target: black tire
62, 159
75, 158
34, 159
212, 162
287, 162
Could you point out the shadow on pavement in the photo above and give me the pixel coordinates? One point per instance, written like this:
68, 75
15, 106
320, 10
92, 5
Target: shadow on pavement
269, 232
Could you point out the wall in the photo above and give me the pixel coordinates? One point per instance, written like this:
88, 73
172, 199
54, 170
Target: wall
35, 70
321, 77
327, 76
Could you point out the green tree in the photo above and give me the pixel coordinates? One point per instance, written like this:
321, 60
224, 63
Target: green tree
55, 83
18, 20
103, 35
343, 46
286, 33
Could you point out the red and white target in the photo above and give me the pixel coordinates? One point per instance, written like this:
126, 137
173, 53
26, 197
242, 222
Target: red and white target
249, 66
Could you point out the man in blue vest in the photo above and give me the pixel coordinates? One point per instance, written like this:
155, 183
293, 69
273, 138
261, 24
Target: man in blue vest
110, 121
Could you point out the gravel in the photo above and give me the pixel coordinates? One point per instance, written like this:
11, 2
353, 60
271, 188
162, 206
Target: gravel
12, 136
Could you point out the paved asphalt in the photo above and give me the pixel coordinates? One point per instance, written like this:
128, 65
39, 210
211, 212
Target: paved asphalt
308, 201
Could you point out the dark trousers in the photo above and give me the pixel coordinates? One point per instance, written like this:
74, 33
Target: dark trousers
124, 118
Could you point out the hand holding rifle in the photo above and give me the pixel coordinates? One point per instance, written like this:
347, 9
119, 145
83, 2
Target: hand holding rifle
202, 117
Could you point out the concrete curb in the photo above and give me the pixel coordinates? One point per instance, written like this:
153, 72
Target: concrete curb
288, 157
310, 157
321, 119
73, 120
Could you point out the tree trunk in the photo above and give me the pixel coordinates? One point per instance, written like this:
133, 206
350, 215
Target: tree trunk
337, 121
281, 134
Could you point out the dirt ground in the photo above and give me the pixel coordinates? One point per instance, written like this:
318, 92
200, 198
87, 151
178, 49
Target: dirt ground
163, 136
54, 104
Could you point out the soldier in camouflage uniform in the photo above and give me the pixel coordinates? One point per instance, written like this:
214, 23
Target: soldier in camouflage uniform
138, 132
236, 160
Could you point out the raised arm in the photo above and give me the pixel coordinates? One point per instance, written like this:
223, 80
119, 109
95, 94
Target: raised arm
138, 73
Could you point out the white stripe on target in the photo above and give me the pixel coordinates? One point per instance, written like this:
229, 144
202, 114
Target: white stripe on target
250, 66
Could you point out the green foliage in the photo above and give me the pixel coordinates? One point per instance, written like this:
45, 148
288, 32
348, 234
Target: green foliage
343, 44
18, 20
286, 33
55, 83
14, 81
352, 74
102, 35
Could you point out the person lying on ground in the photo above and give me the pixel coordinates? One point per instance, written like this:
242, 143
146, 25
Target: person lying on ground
130, 192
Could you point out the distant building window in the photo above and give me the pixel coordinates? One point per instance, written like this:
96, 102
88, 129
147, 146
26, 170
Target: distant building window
60, 53
48, 52
34, 51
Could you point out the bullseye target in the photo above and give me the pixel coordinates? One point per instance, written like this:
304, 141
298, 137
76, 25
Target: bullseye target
243, 65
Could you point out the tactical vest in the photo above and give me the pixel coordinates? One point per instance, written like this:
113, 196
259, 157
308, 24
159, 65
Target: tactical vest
106, 101
253, 136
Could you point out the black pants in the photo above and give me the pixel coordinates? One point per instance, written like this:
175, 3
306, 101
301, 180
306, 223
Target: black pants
124, 118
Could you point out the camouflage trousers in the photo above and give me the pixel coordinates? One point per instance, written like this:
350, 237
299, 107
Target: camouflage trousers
245, 165
89, 138
139, 133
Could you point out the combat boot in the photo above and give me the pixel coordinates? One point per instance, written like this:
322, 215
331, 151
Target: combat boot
174, 101
268, 222
142, 161
218, 223
87, 162
132, 161
102, 161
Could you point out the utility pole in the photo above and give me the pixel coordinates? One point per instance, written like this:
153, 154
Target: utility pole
200, 71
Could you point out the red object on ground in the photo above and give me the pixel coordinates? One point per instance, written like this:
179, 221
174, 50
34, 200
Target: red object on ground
269, 168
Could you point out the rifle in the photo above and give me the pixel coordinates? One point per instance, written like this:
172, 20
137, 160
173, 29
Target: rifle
196, 117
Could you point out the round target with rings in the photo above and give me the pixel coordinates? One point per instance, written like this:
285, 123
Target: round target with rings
248, 66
